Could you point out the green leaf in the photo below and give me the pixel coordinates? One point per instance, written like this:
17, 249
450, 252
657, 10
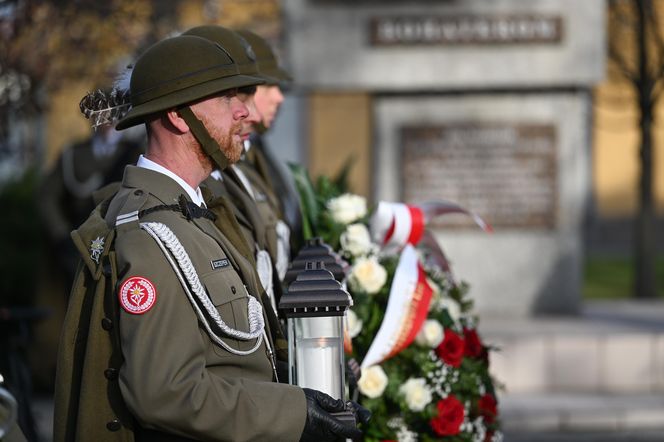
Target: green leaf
341, 180
308, 202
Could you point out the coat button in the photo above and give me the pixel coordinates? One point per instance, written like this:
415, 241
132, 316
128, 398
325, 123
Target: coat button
113, 425
111, 374
107, 324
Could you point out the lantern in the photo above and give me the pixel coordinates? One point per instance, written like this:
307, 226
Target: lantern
314, 250
315, 306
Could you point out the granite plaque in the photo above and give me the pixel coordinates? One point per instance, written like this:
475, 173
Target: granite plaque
504, 172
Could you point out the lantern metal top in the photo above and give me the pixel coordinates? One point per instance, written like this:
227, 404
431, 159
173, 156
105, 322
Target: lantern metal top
316, 250
314, 292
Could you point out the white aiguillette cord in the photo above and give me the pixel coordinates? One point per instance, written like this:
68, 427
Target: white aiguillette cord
184, 269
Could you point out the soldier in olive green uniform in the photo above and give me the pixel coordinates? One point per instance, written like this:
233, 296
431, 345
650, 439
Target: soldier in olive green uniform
196, 356
249, 185
257, 209
268, 98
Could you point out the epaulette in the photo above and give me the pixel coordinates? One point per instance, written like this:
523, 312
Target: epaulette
131, 210
127, 217
94, 237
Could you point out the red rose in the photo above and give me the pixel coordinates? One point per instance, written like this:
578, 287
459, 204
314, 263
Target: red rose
451, 349
488, 407
474, 346
488, 436
450, 417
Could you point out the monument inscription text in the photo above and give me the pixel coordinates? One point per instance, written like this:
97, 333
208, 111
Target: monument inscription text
464, 29
504, 172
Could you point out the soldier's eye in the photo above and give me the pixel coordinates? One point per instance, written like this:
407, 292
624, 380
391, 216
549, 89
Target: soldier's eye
247, 90
231, 93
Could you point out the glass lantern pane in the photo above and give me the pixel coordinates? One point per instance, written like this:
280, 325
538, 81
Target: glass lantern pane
319, 354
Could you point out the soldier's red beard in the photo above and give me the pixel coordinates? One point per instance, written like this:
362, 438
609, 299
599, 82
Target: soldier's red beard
232, 148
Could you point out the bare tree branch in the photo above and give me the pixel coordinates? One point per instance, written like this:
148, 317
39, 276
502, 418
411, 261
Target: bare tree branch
622, 26
653, 24
621, 64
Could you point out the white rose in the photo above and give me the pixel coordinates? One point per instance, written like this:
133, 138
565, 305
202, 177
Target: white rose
416, 393
373, 381
367, 275
347, 208
452, 307
354, 324
356, 240
431, 334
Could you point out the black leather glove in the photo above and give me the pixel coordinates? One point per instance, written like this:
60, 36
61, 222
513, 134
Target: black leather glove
362, 415
353, 374
321, 426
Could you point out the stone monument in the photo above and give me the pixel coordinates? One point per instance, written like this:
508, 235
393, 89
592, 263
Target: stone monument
486, 104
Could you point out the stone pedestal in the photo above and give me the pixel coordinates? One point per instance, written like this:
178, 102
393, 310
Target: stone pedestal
532, 262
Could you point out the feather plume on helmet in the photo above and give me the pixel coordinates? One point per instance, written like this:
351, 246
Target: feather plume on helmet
107, 107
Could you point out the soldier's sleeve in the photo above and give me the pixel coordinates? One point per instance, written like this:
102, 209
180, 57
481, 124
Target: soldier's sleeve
164, 379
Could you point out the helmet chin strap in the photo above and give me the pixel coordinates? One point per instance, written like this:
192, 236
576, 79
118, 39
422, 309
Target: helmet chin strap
210, 146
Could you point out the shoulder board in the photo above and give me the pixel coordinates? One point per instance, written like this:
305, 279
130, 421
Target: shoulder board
127, 216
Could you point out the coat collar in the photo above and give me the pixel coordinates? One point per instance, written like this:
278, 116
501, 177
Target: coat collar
164, 188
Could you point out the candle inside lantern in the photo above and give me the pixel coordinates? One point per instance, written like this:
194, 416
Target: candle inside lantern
315, 305
319, 354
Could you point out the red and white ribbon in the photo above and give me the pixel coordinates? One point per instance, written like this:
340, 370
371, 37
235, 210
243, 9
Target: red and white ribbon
397, 224
434, 209
407, 309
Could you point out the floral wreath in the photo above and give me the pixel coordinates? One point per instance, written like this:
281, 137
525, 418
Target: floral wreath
424, 368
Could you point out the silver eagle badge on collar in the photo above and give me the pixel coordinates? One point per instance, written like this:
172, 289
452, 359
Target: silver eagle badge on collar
96, 247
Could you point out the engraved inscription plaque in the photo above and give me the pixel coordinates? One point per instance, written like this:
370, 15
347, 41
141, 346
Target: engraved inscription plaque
504, 172
466, 29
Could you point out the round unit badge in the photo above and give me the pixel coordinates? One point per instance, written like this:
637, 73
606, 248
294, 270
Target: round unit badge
137, 295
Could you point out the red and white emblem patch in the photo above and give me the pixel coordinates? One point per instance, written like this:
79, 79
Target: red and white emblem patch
137, 295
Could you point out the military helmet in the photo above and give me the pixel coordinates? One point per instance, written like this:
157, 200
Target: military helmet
265, 57
237, 47
177, 71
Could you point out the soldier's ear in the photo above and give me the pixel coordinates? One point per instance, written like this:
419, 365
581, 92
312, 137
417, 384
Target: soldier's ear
176, 121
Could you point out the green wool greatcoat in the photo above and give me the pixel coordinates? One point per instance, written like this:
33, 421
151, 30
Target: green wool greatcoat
171, 376
257, 209
248, 226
